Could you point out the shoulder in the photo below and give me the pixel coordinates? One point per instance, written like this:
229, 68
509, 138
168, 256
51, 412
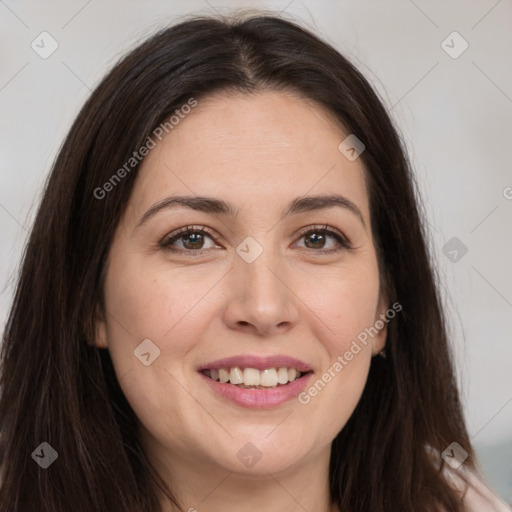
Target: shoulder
477, 495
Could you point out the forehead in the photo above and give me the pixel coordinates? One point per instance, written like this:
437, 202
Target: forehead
263, 148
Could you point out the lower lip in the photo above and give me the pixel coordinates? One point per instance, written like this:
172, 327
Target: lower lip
258, 398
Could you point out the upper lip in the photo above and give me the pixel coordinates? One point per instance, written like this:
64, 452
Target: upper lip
257, 362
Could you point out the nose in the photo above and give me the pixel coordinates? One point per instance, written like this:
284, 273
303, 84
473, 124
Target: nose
261, 300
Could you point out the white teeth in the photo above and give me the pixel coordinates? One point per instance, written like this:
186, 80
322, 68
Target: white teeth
247, 377
236, 376
269, 378
282, 375
252, 377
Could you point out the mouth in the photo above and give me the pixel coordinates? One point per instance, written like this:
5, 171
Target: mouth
257, 382
253, 378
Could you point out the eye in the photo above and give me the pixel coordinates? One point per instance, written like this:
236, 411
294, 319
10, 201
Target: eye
317, 238
190, 239
193, 240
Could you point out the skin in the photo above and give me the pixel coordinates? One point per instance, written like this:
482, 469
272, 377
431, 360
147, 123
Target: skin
257, 152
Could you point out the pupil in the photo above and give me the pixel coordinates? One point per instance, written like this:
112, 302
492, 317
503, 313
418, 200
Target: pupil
193, 239
317, 239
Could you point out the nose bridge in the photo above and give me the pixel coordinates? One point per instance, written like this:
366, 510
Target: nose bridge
262, 285
260, 295
263, 276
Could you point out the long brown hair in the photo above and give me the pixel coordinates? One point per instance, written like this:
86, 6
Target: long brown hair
57, 387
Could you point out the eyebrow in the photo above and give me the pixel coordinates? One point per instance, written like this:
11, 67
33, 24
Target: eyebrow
219, 207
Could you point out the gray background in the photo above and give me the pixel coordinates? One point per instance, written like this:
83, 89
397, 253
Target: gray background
454, 115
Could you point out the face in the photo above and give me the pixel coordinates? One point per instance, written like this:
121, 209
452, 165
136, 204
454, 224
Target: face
270, 274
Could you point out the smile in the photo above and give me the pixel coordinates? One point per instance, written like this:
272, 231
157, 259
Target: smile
256, 382
252, 378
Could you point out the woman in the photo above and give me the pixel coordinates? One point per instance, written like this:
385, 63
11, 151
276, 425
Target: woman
229, 297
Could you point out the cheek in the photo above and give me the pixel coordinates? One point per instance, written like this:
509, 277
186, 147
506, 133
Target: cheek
346, 303
155, 302
167, 307
170, 309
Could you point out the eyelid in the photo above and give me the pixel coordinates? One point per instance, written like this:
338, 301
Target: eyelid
343, 241
323, 227
330, 231
165, 242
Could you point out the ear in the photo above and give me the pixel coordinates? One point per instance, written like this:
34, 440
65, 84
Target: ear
381, 324
100, 328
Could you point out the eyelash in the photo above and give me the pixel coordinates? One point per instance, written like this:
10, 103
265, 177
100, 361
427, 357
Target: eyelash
325, 229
